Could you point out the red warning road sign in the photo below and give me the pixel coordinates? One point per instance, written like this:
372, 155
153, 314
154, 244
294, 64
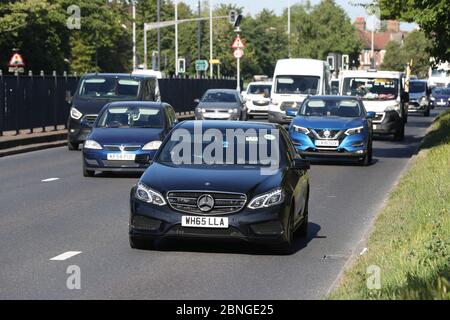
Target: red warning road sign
238, 44
16, 61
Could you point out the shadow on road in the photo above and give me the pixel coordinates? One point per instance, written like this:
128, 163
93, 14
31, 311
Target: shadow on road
231, 246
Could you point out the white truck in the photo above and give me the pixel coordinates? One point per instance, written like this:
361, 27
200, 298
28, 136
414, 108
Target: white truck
382, 92
293, 81
439, 76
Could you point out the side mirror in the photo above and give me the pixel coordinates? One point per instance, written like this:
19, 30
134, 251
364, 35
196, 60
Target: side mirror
143, 159
301, 164
371, 115
85, 123
197, 101
291, 112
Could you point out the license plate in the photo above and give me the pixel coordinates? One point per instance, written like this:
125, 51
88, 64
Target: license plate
375, 127
121, 156
204, 222
327, 143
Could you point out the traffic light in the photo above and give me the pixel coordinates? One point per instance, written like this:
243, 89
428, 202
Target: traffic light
181, 65
232, 16
345, 62
331, 62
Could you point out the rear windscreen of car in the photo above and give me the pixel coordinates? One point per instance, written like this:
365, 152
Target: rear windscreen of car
109, 88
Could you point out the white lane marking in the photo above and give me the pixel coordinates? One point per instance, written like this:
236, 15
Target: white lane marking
332, 197
65, 255
49, 179
363, 251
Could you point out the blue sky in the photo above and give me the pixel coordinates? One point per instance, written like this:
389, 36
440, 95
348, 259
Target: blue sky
254, 6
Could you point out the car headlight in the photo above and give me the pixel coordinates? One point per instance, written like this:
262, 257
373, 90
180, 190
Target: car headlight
354, 131
300, 129
432, 98
154, 145
395, 107
74, 113
268, 199
274, 102
423, 101
233, 110
91, 144
148, 195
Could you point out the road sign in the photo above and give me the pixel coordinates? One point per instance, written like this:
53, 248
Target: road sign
201, 65
238, 53
16, 63
238, 44
214, 61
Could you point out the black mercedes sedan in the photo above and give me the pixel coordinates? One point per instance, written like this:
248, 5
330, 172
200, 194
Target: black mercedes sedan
222, 180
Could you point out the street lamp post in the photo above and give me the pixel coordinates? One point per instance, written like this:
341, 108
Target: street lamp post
211, 37
289, 28
176, 39
158, 19
133, 8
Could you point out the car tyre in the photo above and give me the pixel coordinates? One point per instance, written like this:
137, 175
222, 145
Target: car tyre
141, 244
72, 146
400, 134
368, 158
285, 248
302, 230
427, 113
88, 173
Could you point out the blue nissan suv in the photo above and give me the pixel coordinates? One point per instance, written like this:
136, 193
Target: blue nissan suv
334, 127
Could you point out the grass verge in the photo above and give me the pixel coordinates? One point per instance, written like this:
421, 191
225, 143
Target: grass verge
410, 241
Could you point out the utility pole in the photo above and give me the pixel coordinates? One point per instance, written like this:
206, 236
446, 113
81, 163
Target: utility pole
211, 37
199, 32
176, 38
289, 28
373, 43
133, 8
158, 19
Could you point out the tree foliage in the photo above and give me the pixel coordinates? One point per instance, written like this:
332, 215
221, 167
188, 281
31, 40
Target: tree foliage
432, 16
38, 28
415, 48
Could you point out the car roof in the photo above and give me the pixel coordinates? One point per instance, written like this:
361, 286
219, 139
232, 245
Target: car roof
223, 124
333, 97
223, 90
119, 75
149, 104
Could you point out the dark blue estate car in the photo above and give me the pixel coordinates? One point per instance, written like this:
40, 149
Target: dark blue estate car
333, 126
124, 130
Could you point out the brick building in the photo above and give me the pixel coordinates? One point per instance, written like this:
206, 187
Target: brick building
390, 31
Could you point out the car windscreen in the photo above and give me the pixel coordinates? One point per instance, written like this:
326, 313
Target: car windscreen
297, 84
218, 96
109, 88
441, 91
440, 73
371, 88
131, 117
417, 87
259, 89
331, 108
222, 147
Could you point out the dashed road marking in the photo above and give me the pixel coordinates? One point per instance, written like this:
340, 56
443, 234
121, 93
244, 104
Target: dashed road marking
49, 179
65, 256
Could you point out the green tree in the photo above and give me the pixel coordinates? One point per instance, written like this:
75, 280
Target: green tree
431, 15
394, 58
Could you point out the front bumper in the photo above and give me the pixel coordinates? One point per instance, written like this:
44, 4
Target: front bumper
256, 226
76, 132
279, 117
389, 124
415, 107
217, 116
97, 160
353, 146
255, 110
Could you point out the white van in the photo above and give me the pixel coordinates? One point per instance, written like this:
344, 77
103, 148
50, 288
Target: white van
149, 72
382, 92
293, 81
